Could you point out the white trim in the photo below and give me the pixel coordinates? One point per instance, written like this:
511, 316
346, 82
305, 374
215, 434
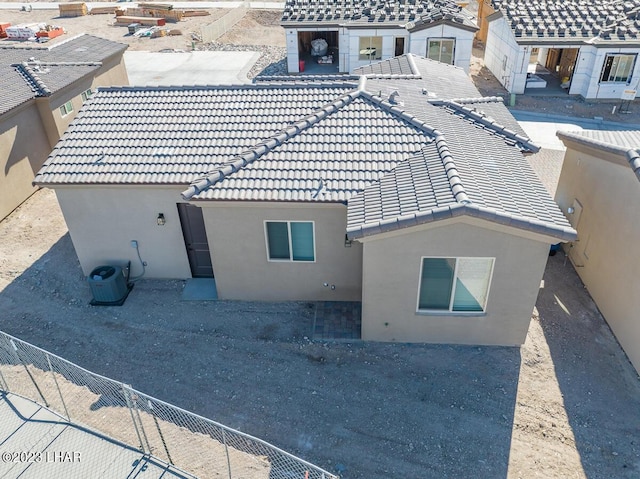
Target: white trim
440, 39
450, 311
67, 111
288, 222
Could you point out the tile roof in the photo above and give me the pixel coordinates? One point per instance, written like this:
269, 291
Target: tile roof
410, 14
403, 65
572, 21
393, 153
171, 135
626, 143
31, 71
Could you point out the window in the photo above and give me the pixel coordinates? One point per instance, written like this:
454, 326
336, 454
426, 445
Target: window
86, 95
441, 49
66, 108
290, 241
454, 284
370, 48
618, 68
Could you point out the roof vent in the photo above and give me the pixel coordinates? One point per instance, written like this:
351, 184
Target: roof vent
393, 98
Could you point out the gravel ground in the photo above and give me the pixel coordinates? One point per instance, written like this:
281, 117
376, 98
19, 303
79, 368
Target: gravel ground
565, 405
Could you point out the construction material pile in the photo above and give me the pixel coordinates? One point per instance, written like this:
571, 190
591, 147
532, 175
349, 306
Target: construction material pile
155, 14
75, 9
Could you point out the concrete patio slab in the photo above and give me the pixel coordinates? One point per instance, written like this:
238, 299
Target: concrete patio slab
200, 289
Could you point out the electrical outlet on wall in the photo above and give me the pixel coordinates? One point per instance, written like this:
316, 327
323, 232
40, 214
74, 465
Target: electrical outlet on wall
134, 244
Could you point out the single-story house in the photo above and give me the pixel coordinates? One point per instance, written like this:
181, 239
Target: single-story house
42, 88
359, 32
599, 189
588, 48
402, 188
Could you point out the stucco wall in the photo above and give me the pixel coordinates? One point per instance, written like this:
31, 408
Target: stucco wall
23, 148
112, 73
391, 280
605, 254
586, 77
500, 44
463, 46
102, 221
388, 44
236, 235
416, 42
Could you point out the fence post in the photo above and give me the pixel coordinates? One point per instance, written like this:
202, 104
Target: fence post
133, 419
164, 443
55, 380
226, 450
3, 382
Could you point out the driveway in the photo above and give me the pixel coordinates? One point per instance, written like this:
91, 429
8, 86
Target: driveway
189, 68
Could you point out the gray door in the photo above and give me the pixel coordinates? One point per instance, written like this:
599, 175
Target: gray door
195, 240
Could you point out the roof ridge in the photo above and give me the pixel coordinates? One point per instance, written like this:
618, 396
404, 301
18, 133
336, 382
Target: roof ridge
65, 64
249, 156
412, 64
455, 182
31, 77
453, 176
288, 79
462, 209
484, 120
480, 99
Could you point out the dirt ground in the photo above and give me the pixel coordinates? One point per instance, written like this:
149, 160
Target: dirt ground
565, 405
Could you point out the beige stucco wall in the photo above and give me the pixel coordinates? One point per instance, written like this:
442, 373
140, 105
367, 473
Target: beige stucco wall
29, 132
236, 234
23, 148
112, 73
391, 280
606, 253
102, 222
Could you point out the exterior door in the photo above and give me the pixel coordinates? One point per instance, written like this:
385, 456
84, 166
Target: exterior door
195, 240
399, 50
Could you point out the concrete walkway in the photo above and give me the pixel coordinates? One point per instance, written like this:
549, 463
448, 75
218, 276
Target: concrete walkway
189, 68
542, 127
35, 443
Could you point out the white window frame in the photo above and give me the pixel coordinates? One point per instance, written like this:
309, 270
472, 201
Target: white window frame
66, 108
290, 260
86, 95
450, 311
441, 39
613, 55
369, 57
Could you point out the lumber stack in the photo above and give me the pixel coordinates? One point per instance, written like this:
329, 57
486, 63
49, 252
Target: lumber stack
76, 9
124, 20
195, 13
102, 10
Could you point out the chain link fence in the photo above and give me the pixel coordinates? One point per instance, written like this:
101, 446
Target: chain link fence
192, 443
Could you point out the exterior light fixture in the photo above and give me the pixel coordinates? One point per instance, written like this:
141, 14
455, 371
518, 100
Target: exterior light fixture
571, 210
160, 220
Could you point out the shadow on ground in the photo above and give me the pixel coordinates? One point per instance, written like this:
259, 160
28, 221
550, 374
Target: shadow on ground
368, 410
600, 388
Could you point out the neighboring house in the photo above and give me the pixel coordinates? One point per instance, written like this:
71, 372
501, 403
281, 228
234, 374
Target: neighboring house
599, 188
360, 32
402, 188
591, 48
41, 90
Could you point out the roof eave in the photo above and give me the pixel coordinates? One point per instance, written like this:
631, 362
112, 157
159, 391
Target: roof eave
555, 232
